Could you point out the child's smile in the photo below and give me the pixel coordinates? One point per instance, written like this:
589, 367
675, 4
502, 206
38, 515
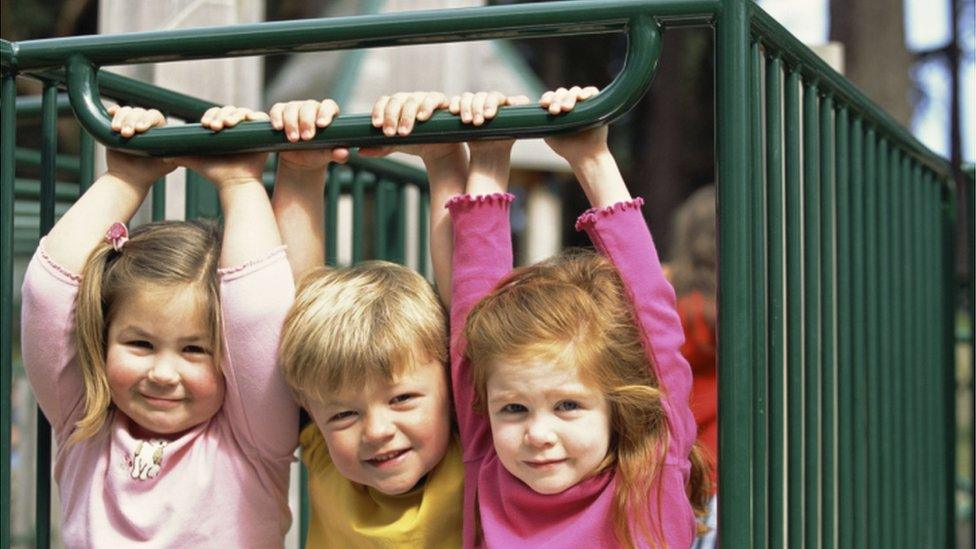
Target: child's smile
549, 428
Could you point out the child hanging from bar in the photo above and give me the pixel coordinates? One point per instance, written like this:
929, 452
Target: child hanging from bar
570, 390
152, 354
365, 348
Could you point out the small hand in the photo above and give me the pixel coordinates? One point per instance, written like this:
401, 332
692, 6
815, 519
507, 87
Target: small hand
577, 146
476, 109
300, 120
398, 114
143, 170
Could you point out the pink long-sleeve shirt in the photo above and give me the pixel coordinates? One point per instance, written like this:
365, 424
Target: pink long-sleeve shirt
222, 484
510, 513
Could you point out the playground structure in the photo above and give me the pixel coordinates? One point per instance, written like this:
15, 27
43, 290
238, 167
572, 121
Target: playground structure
835, 241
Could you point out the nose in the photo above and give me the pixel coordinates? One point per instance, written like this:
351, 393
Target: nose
163, 371
378, 427
540, 433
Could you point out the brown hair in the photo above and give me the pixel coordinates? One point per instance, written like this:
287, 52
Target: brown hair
573, 309
161, 254
352, 325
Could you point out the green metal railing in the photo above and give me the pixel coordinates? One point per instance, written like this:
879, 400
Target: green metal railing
835, 239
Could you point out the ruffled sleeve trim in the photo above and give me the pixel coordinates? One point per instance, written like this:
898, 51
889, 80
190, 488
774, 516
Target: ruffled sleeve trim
55, 268
228, 273
467, 201
589, 218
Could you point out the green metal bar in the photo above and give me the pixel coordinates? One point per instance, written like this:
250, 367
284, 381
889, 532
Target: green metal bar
735, 307
776, 303
332, 213
897, 337
201, 197
908, 390
859, 361
934, 423
304, 518
872, 321
916, 331
359, 182
845, 354
159, 199
759, 365
8, 138
423, 243
381, 219
67, 165
828, 342
30, 189
86, 159
356, 32
397, 171
400, 240
929, 387
29, 107
811, 313
49, 153
947, 281
885, 403
356, 130
794, 312
778, 39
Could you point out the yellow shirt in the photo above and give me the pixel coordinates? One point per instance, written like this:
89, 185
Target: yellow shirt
346, 514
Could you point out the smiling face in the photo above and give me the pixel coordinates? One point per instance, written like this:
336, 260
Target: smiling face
159, 362
388, 435
550, 429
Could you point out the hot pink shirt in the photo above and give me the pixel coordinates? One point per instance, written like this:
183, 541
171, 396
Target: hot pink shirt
224, 483
510, 513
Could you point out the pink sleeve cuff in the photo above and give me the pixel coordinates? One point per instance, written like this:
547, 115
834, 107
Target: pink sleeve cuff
55, 268
466, 201
589, 218
237, 271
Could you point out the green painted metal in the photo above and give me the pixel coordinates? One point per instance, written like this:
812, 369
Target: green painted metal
794, 312
735, 379
400, 233
759, 230
811, 314
423, 243
8, 131
29, 107
49, 153
159, 199
86, 160
948, 287
883, 330
827, 318
332, 188
873, 321
917, 357
201, 197
68, 165
381, 219
776, 303
845, 502
859, 347
359, 182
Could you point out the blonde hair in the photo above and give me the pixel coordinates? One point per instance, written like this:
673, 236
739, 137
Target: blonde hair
354, 325
573, 310
162, 254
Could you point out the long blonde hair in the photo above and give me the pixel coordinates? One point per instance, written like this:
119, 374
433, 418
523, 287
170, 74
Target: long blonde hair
162, 254
576, 301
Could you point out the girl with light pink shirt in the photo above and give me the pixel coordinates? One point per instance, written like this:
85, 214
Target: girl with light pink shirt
152, 354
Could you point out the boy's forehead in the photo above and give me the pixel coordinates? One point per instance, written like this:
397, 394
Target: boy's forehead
410, 372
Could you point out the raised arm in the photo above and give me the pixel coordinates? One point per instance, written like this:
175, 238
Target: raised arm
52, 278
617, 229
256, 291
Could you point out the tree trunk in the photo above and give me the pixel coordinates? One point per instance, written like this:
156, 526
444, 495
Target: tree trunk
876, 58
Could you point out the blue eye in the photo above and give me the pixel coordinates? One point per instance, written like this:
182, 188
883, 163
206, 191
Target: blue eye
342, 415
568, 406
514, 409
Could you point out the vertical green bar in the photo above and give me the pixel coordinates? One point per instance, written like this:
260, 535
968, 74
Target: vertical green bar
201, 197
794, 311
159, 199
859, 348
947, 283
332, 188
400, 242
8, 138
423, 244
845, 354
776, 303
359, 182
917, 359
871, 322
759, 365
304, 506
928, 372
49, 157
811, 313
381, 217
735, 269
934, 363
900, 351
86, 159
828, 344
883, 239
